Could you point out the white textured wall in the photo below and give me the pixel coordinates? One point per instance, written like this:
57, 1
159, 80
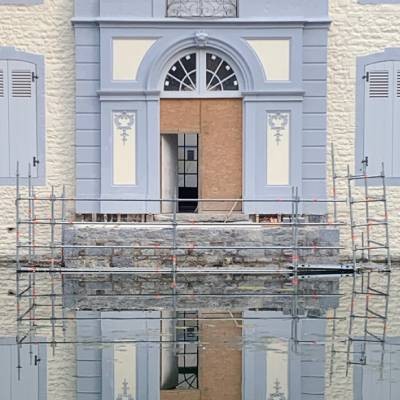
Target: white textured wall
44, 29
356, 30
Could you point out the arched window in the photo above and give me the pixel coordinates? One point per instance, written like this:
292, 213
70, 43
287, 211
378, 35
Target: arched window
202, 71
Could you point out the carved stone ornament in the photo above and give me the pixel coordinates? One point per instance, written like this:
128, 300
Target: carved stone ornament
124, 121
202, 8
277, 395
278, 122
201, 39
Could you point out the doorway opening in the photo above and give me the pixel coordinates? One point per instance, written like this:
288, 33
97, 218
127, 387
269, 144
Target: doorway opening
188, 172
180, 171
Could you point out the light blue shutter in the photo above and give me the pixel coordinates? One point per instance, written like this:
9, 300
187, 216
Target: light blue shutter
312, 352
4, 139
28, 386
22, 116
396, 122
88, 356
379, 97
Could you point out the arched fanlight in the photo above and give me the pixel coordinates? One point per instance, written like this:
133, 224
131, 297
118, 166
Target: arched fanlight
183, 74
218, 74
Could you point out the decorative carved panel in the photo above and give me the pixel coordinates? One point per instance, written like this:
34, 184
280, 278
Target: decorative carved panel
202, 8
124, 148
278, 148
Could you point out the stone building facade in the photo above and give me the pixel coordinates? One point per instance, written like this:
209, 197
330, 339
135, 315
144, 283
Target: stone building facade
88, 94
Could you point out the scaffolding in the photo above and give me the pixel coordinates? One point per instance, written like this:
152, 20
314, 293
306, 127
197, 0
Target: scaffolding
35, 259
370, 245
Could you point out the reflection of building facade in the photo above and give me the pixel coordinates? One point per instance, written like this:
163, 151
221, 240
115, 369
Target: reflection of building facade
242, 355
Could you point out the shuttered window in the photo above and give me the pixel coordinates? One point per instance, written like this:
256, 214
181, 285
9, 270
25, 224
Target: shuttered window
32, 383
19, 118
381, 118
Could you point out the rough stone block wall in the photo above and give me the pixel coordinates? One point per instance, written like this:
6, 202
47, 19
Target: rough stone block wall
217, 292
101, 238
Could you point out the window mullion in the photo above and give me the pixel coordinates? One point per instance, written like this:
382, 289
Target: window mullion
202, 72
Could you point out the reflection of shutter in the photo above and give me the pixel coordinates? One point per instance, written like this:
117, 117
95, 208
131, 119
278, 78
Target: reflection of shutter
4, 140
88, 356
368, 382
22, 116
378, 117
312, 359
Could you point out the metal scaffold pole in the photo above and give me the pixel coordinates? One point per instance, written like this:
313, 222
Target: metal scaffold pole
63, 218
18, 266
30, 283
52, 265
295, 265
334, 178
354, 253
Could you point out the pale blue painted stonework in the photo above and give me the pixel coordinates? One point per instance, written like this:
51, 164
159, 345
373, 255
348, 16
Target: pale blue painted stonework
20, 2
305, 375
12, 54
390, 54
304, 23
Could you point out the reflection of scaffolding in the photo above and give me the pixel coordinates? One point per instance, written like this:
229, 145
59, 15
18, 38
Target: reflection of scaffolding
370, 244
187, 349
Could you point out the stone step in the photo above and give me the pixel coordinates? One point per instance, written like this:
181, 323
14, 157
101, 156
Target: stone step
209, 217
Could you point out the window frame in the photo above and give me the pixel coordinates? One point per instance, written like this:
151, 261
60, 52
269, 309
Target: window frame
388, 55
11, 54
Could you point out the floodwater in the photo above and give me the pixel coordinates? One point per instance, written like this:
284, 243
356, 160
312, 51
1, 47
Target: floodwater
263, 338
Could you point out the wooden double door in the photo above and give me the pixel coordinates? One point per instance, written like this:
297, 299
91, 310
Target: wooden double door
218, 124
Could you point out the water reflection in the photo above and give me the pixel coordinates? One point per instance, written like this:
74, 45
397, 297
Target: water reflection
269, 339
